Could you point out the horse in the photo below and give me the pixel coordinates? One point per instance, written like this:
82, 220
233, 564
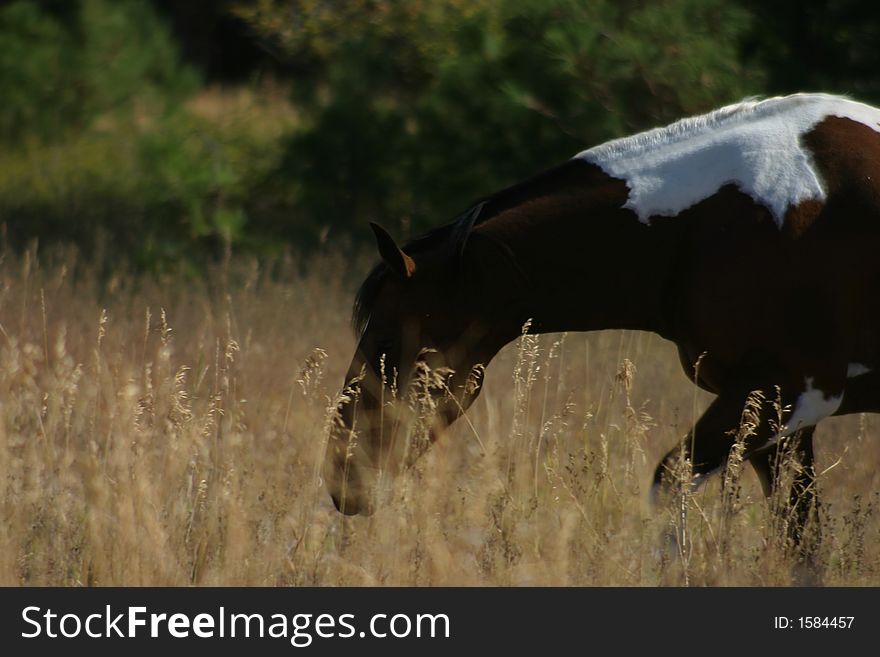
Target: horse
750, 237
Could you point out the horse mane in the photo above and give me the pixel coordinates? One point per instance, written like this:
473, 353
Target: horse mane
454, 235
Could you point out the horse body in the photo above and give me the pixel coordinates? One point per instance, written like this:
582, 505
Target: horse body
747, 237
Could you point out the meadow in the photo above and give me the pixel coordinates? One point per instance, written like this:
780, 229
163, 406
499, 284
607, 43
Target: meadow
170, 430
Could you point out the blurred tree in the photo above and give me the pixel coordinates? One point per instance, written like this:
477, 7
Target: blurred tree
34, 67
63, 66
80, 81
218, 43
413, 109
401, 112
816, 45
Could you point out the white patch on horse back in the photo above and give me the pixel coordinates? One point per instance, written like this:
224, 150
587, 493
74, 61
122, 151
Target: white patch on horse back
812, 405
755, 145
856, 369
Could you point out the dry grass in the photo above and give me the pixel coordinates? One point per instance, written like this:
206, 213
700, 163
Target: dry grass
170, 433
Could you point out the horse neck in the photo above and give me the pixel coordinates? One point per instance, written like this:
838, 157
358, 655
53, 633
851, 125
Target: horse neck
578, 260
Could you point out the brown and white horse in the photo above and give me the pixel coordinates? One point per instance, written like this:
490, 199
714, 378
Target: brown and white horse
751, 238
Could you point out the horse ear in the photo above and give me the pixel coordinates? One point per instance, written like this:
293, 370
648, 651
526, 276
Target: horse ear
394, 257
465, 226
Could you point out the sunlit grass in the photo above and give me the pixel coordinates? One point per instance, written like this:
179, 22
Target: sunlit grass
171, 431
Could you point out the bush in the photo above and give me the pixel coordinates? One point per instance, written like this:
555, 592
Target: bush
415, 109
99, 148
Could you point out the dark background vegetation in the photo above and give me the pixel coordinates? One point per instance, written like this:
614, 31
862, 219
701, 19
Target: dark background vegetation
155, 133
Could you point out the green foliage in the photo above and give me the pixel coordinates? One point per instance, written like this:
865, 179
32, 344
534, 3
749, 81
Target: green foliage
825, 45
34, 66
398, 112
127, 55
202, 175
174, 189
415, 109
99, 149
59, 73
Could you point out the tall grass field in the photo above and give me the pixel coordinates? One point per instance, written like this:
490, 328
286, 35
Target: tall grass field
171, 431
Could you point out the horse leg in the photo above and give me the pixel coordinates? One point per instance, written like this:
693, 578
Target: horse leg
802, 499
704, 450
708, 446
862, 394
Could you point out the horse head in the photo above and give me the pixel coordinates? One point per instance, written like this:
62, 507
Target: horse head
423, 340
